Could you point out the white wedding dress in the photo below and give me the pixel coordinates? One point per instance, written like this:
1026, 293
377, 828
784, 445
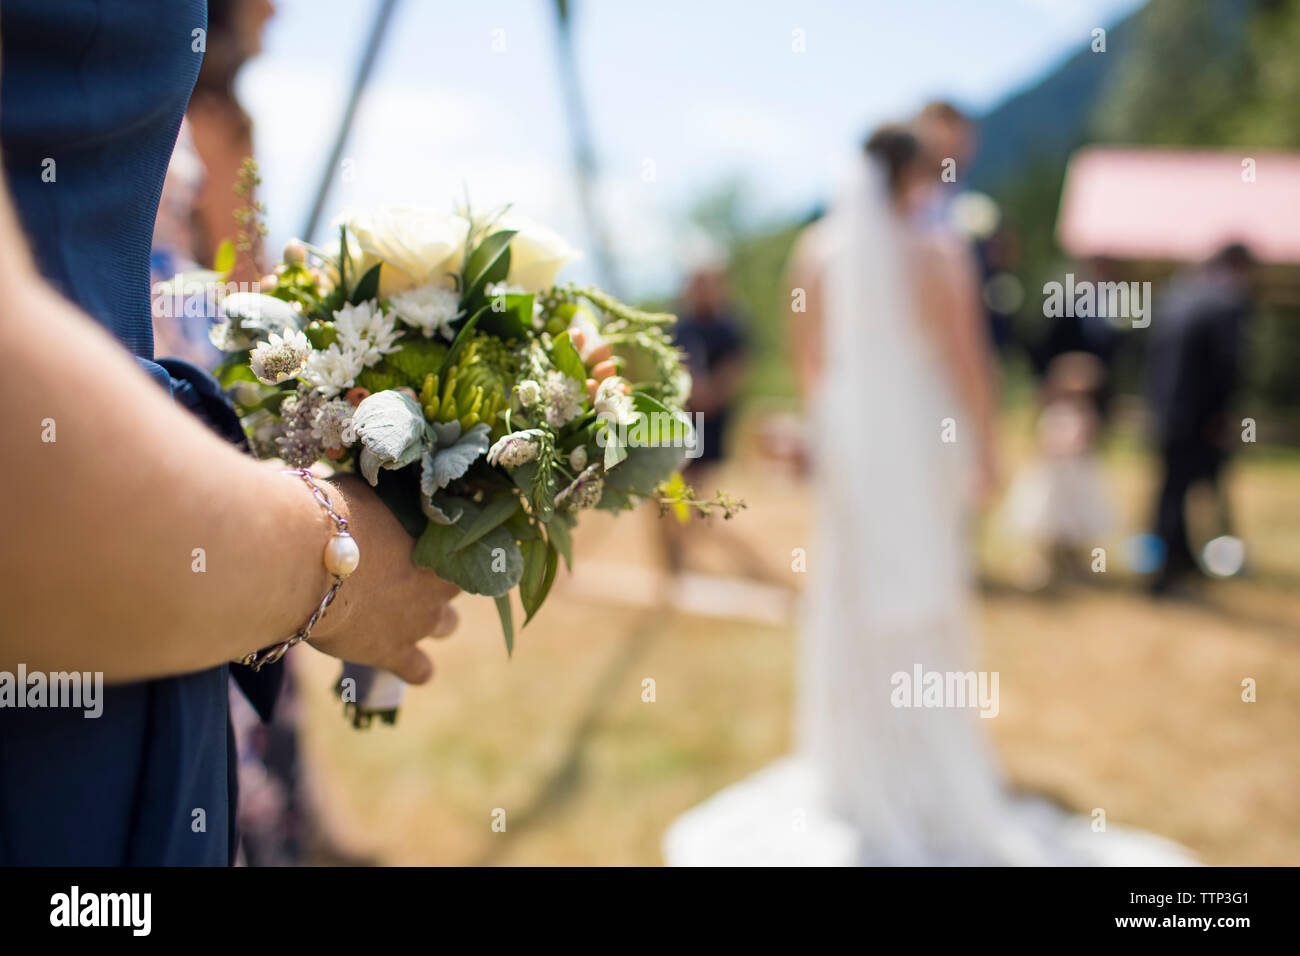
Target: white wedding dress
872, 784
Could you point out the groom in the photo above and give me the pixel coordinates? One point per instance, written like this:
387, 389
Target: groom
115, 481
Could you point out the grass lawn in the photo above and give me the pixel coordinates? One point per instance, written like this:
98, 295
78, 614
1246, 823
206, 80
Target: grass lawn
1107, 699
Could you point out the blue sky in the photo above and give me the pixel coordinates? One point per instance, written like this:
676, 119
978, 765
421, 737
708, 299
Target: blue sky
681, 96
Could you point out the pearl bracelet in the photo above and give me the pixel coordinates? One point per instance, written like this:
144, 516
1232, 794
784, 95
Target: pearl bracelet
341, 558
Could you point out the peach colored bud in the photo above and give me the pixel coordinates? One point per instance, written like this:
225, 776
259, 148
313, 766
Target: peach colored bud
625, 388
295, 252
592, 385
409, 391
355, 396
603, 370
334, 454
576, 335
600, 353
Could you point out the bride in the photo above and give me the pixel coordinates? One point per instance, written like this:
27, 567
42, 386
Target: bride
902, 414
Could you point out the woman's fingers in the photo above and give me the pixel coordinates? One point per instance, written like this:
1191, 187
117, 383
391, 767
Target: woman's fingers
446, 623
413, 666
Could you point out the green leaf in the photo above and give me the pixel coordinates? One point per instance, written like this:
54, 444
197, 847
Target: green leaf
491, 565
566, 358
224, 260
522, 527
490, 262
615, 451
540, 562
559, 532
322, 336
509, 318
233, 368
640, 473
392, 428
530, 584
448, 462
507, 623
368, 287
461, 338
494, 514
664, 426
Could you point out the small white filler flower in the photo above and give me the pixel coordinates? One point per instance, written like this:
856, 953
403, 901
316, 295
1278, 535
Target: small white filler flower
428, 308
517, 448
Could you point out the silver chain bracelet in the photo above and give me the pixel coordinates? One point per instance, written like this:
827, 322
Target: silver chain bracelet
341, 558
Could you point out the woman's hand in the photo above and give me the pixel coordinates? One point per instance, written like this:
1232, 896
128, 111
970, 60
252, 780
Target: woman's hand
388, 604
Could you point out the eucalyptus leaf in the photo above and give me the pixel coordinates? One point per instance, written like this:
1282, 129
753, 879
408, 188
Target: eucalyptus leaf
639, 474
433, 510
495, 513
491, 565
450, 463
391, 426
259, 314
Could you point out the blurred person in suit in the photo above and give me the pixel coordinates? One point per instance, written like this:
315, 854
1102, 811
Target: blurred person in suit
1193, 369
711, 334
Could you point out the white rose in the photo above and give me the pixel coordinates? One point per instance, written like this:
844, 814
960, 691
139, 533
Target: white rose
536, 254
418, 246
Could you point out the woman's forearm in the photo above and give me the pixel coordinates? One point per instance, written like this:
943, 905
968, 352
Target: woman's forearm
137, 543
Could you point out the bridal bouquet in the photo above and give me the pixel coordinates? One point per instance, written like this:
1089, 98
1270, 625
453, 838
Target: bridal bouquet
487, 405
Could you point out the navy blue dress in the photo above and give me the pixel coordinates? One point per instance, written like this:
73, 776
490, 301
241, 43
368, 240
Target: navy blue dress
91, 98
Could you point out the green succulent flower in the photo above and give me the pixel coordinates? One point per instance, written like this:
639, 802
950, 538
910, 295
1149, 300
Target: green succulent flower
475, 389
408, 367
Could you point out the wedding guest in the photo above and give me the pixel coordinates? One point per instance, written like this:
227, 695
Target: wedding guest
143, 544
1193, 365
222, 130
1059, 502
712, 336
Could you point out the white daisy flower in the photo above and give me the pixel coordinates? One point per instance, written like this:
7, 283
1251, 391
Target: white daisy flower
562, 397
334, 369
367, 330
280, 357
332, 424
428, 308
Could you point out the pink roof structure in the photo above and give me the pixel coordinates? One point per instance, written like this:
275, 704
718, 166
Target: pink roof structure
1180, 205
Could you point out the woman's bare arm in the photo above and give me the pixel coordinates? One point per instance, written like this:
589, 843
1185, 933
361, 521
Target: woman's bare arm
950, 300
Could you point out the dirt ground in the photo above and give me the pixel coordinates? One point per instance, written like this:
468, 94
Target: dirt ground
1107, 699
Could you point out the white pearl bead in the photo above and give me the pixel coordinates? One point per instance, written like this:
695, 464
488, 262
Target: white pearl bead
342, 555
